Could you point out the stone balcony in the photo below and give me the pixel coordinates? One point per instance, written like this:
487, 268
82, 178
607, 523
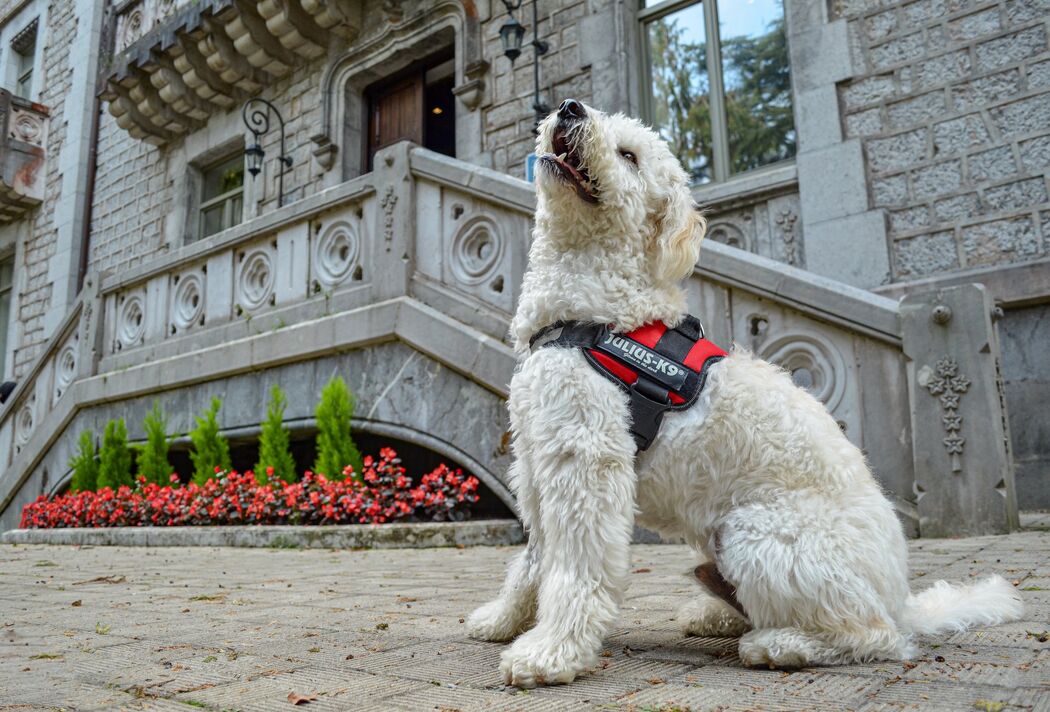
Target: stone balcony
176, 63
24, 133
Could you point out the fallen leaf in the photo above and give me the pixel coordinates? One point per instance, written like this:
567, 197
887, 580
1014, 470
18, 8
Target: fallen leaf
210, 659
77, 603
46, 656
989, 705
641, 571
102, 579
350, 656
656, 681
406, 599
382, 626
206, 597
301, 699
102, 629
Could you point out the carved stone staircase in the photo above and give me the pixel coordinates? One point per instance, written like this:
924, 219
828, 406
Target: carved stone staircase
404, 279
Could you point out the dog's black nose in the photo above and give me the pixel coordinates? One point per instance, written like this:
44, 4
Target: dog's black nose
571, 109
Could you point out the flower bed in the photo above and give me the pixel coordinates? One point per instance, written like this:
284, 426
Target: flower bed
383, 493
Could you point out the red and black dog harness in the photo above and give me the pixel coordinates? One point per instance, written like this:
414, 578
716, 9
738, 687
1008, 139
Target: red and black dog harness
660, 369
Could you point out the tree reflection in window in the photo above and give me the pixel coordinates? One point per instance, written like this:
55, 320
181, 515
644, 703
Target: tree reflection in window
724, 105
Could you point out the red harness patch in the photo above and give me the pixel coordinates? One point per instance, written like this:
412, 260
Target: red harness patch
659, 368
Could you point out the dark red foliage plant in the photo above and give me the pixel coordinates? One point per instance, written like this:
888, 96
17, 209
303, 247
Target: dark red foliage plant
383, 493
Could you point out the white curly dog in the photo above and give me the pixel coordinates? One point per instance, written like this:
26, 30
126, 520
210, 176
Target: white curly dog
756, 477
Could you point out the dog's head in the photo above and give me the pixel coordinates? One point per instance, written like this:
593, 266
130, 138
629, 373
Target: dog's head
617, 179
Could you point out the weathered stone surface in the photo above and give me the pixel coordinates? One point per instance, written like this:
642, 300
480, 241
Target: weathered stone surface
221, 629
956, 207
926, 254
1020, 194
1010, 48
994, 164
899, 151
964, 478
938, 179
1012, 240
957, 135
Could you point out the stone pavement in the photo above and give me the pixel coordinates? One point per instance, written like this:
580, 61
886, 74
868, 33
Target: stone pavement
243, 629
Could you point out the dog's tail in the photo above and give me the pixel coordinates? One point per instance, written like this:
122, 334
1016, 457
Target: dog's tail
943, 607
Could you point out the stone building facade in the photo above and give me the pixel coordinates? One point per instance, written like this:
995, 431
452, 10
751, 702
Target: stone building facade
919, 138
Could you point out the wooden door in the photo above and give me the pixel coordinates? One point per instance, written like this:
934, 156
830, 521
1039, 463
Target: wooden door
396, 114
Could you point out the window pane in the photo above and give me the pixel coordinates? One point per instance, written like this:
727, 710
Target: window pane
224, 177
233, 215
211, 220
680, 103
757, 82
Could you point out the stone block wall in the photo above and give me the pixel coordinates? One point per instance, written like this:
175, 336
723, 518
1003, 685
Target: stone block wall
36, 283
138, 185
953, 111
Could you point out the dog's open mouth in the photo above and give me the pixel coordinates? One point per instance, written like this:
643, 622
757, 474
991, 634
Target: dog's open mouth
566, 161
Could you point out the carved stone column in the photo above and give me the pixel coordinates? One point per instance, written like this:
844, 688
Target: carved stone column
964, 477
394, 226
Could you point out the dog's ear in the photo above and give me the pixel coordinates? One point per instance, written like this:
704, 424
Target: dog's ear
678, 244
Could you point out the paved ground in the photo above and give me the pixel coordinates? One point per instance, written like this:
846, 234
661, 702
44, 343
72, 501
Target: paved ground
236, 629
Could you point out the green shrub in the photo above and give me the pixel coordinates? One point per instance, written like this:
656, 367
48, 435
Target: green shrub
84, 465
335, 447
210, 449
273, 442
114, 468
153, 454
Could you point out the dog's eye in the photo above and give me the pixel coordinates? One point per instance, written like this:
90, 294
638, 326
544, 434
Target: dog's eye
629, 156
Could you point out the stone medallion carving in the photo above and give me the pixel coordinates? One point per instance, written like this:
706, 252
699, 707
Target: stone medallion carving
131, 322
336, 253
65, 368
26, 126
187, 302
947, 385
477, 248
25, 421
256, 280
728, 234
814, 364
132, 26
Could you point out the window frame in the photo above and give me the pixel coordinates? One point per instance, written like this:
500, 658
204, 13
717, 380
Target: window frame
720, 156
224, 199
7, 260
22, 58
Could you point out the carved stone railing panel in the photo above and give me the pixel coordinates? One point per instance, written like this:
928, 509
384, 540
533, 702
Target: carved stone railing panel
69, 355
253, 273
770, 227
471, 245
175, 64
24, 126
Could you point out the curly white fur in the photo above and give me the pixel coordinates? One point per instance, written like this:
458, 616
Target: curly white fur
757, 476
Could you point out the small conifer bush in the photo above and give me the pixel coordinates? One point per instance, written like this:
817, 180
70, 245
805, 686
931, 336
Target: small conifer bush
84, 464
114, 467
275, 459
210, 449
335, 447
153, 454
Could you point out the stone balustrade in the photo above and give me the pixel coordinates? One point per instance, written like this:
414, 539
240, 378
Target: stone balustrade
419, 263
23, 136
176, 63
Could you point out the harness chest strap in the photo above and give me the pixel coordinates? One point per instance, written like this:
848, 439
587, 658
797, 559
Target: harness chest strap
658, 367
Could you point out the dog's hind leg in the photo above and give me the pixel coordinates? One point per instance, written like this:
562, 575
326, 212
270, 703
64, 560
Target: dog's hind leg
586, 519
514, 610
707, 615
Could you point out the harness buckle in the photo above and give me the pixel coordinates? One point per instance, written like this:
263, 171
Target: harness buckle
648, 405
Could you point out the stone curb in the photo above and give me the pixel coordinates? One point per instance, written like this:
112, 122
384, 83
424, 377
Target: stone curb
422, 535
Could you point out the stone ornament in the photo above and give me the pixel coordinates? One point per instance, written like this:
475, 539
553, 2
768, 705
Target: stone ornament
388, 203
785, 220
476, 250
336, 253
187, 303
25, 421
255, 282
65, 368
948, 387
729, 234
131, 322
814, 364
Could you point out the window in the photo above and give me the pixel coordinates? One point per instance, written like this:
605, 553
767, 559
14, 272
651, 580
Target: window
719, 84
222, 196
6, 279
23, 46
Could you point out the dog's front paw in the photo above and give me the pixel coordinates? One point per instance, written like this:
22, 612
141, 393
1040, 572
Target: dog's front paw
497, 621
706, 615
536, 659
